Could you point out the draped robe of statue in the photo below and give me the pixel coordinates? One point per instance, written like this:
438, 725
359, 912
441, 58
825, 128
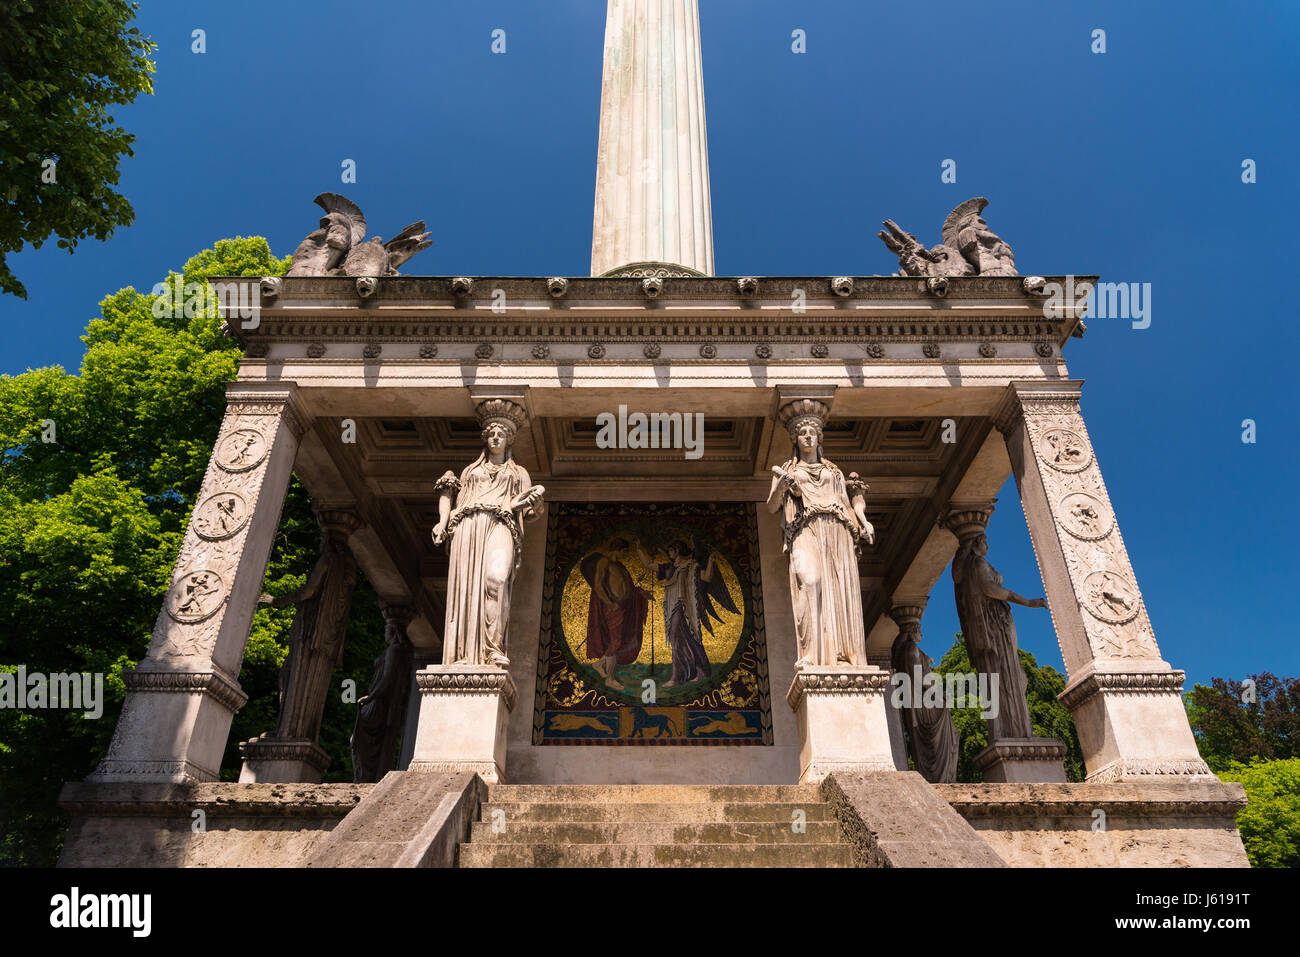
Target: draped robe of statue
316, 641
821, 530
930, 730
614, 627
486, 547
989, 633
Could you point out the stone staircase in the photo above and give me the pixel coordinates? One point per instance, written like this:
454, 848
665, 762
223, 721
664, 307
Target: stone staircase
624, 825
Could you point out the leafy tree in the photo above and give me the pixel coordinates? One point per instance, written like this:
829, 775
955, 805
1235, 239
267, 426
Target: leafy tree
63, 65
1240, 722
90, 526
1270, 823
1049, 717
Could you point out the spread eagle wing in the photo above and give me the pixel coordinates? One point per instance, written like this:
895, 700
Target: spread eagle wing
708, 592
407, 243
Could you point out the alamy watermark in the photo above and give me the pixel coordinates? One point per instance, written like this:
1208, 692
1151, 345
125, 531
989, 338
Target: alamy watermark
1108, 300
652, 430
175, 299
126, 911
76, 691
932, 690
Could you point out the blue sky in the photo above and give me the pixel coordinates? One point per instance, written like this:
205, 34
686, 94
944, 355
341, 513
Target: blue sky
1126, 164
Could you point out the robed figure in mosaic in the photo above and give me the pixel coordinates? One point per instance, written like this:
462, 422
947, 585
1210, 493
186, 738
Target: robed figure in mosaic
822, 519
989, 632
493, 498
616, 613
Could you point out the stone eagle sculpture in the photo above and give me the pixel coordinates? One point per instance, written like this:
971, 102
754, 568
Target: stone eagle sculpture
969, 247
339, 246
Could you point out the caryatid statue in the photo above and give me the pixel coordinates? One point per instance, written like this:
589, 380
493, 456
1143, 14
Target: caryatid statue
337, 247
319, 627
929, 728
823, 519
987, 628
380, 711
969, 247
492, 499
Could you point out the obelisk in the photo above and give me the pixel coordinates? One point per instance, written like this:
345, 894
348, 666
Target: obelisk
652, 165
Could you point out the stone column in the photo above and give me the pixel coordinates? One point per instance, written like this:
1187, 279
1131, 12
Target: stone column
292, 753
1125, 699
652, 208
182, 696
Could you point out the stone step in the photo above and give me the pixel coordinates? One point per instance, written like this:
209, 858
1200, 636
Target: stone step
682, 812
559, 832
655, 855
652, 793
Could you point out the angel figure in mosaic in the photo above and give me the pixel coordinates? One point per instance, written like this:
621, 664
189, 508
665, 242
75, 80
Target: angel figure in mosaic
692, 585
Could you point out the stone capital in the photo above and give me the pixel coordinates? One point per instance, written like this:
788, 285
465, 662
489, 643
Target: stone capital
1036, 398
966, 519
397, 612
467, 680
836, 680
341, 519
908, 616
281, 399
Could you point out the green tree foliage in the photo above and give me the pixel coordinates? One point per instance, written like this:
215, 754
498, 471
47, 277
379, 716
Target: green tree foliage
63, 65
1236, 721
90, 526
1049, 717
1270, 824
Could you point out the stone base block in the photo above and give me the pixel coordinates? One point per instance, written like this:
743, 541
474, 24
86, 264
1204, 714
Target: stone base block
1132, 724
1023, 761
173, 727
842, 720
464, 713
272, 760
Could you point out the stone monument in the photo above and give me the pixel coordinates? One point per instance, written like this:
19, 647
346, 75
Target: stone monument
820, 592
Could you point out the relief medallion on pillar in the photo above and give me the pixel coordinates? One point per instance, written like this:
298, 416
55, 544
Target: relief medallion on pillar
220, 515
213, 547
1101, 575
652, 628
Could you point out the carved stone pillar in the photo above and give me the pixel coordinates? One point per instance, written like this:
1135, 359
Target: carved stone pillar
292, 753
1125, 699
932, 733
182, 696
